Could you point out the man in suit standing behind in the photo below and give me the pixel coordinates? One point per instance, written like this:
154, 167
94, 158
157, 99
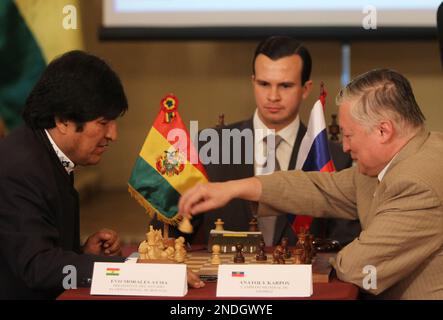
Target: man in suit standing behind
281, 82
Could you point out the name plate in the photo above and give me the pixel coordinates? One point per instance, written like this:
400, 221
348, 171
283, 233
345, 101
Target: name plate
236, 280
139, 279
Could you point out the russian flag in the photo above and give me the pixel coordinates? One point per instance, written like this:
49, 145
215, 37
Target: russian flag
239, 274
313, 155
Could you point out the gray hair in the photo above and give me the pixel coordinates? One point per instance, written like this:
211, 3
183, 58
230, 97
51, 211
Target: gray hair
382, 94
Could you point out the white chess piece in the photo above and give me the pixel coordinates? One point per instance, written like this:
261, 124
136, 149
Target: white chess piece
215, 254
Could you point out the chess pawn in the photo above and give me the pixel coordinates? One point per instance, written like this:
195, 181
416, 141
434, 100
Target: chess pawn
239, 258
219, 225
284, 245
215, 254
261, 256
185, 226
180, 252
253, 225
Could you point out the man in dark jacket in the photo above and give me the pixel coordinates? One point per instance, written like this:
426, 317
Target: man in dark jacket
70, 121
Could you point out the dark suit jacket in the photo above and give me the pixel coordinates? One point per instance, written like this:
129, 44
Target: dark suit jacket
238, 213
39, 220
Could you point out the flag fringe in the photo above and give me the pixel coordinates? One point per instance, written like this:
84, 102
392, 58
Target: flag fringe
150, 209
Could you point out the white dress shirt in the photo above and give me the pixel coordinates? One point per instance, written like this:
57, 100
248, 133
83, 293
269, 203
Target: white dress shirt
66, 162
283, 154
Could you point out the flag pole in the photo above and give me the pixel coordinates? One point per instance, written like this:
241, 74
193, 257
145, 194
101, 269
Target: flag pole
165, 231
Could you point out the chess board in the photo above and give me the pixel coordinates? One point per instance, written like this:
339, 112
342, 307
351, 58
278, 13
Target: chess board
200, 263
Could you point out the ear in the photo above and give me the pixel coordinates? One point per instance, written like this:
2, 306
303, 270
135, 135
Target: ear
386, 130
253, 78
307, 87
61, 125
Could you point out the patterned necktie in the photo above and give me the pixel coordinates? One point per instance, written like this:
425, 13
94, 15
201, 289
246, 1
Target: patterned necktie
271, 149
267, 224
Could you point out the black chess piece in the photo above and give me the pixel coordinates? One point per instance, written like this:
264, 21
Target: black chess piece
334, 129
284, 245
221, 121
298, 256
239, 258
261, 256
301, 247
253, 225
277, 256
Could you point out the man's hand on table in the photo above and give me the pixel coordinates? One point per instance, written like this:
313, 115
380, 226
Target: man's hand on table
194, 280
104, 242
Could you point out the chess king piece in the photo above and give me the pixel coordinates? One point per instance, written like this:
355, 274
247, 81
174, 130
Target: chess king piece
185, 225
215, 254
219, 225
261, 255
239, 258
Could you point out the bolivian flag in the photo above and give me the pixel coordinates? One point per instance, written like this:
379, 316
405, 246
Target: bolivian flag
32, 33
167, 165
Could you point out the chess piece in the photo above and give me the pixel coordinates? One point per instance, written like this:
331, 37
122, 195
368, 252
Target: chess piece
334, 129
180, 251
284, 245
261, 256
310, 245
185, 225
277, 256
143, 249
221, 121
239, 258
301, 245
298, 256
215, 254
169, 253
219, 225
253, 225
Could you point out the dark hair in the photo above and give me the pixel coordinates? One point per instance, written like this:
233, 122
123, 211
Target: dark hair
277, 47
76, 86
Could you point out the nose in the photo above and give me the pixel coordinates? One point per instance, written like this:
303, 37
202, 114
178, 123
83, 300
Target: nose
274, 94
111, 133
346, 147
